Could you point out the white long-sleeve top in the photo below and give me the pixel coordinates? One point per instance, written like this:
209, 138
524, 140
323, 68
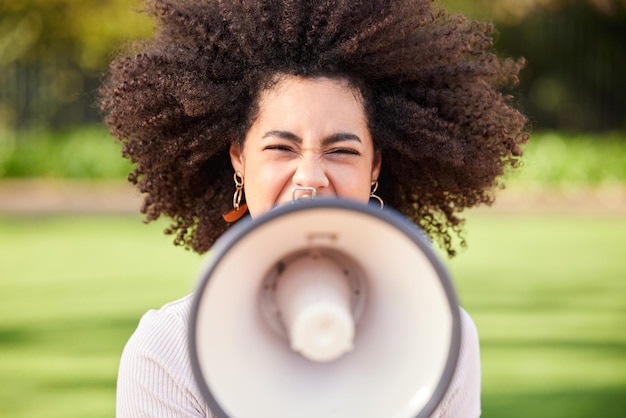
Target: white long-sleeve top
155, 378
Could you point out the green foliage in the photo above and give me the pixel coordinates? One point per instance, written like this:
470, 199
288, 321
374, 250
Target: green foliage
547, 294
85, 32
88, 153
561, 160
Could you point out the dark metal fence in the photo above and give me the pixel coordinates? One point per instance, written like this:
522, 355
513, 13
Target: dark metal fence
46, 94
576, 73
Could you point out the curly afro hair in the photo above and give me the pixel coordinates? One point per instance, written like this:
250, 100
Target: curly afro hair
433, 90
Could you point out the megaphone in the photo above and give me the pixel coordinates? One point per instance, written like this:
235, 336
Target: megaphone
324, 308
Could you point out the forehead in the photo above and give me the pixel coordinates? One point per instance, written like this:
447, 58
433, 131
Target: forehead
297, 96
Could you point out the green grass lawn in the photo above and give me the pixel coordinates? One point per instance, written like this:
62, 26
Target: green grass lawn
548, 294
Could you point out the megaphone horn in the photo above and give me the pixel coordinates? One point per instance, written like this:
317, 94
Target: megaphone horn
324, 308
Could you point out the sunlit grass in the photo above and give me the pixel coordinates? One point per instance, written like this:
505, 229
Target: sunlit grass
549, 298
71, 292
547, 293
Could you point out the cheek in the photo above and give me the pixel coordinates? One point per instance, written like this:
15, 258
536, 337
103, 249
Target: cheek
354, 185
264, 184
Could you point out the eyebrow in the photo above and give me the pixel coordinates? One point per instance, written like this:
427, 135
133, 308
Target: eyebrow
338, 137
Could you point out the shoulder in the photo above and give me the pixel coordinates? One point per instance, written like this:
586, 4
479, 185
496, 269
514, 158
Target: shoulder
469, 333
167, 322
162, 333
155, 376
462, 399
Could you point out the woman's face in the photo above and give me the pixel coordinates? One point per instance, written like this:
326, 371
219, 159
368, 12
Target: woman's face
310, 132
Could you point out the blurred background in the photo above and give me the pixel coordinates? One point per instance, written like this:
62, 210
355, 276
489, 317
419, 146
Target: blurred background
544, 273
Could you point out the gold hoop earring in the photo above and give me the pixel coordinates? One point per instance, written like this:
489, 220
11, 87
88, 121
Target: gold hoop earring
374, 196
238, 178
239, 209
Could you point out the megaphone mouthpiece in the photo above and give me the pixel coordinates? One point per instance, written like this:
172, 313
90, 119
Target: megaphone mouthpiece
314, 302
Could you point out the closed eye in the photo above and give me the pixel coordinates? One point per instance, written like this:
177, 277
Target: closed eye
343, 151
279, 147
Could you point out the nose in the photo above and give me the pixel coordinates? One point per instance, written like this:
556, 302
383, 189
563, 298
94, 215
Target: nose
310, 172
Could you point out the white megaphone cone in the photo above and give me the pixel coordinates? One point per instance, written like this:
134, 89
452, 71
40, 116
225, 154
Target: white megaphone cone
325, 308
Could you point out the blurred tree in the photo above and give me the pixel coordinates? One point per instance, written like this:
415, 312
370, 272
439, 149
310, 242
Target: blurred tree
51, 54
575, 79
85, 30
576, 53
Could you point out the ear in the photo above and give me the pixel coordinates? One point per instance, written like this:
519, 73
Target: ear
376, 164
236, 157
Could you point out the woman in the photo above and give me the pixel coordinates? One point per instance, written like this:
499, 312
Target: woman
235, 103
